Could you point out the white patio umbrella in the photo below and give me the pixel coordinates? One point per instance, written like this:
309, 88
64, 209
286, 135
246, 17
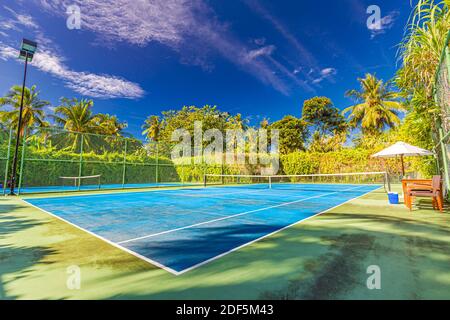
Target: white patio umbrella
402, 149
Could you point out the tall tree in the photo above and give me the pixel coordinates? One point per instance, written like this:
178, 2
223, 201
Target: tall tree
33, 114
293, 133
322, 116
264, 124
152, 128
377, 106
110, 124
420, 52
76, 115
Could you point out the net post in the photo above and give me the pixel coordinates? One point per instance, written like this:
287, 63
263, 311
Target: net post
157, 163
80, 167
270, 182
124, 169
387, 181
22, 161
204, 180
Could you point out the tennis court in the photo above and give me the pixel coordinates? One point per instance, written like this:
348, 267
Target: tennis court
182, 229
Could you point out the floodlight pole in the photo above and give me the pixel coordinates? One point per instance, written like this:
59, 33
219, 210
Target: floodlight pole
19, 127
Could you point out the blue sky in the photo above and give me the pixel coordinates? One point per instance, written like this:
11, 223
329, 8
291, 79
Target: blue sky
256, 57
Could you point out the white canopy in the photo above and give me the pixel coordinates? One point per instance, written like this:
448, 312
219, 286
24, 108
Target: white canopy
402, 149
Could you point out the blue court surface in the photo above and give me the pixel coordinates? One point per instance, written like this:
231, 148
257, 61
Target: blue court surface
182, 229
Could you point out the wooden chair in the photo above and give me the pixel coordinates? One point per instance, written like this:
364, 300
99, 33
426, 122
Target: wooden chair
433, 191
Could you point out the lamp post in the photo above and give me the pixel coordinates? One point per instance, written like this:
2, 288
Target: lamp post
27, 51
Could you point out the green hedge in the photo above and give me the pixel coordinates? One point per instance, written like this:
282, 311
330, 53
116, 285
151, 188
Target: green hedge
43, 168
141, 168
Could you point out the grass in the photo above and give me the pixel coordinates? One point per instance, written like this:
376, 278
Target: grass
322, 258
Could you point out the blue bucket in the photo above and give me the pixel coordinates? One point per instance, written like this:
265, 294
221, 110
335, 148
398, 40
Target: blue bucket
393, 197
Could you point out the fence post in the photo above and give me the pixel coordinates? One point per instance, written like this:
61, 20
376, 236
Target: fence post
7, 160
445, 162
447, 55
124, 164
80, 167
157, 163
22, 161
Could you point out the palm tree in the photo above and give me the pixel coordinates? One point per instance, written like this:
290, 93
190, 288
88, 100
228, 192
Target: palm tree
77, 117
110, 125
153, 127
264, 124
377, 106
33, 113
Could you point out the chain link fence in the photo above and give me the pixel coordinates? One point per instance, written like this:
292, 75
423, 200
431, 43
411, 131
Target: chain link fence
442, 97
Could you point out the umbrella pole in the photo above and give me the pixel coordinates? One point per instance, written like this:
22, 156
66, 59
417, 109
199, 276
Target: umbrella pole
403, 166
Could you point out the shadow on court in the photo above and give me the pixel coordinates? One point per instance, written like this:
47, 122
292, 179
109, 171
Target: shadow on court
16, 259
322, 258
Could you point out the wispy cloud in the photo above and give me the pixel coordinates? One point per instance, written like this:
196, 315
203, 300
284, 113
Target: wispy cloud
47, 59
326, 73
16, 21
382, 25
85, 83
302, 51
263, 51
190, 27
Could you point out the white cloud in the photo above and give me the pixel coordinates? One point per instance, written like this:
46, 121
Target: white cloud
88, 84
7, 53
382, 25
17, 20
326, 73
48, 59
301, 50
189, 27
264, 51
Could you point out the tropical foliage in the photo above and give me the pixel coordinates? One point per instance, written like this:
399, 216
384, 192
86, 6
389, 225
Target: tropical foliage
322, 116
292, 134
33, 114
382, 113
377, 107
420, 52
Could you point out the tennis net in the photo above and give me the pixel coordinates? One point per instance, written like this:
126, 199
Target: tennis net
319, 182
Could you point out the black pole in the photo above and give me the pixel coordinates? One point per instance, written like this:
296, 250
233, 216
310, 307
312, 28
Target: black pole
19, 127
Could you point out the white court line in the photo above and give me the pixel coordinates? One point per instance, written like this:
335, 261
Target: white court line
232, 216
170, 270
153, 262
210, 195
268, 235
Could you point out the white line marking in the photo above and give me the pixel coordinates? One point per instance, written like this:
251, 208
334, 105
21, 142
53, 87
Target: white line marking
211, 195
177, 273
268, 235
153, 262
232, 216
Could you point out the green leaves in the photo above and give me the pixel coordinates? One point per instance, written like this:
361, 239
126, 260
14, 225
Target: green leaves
293, 133
33, 114
322, 116
378, 106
